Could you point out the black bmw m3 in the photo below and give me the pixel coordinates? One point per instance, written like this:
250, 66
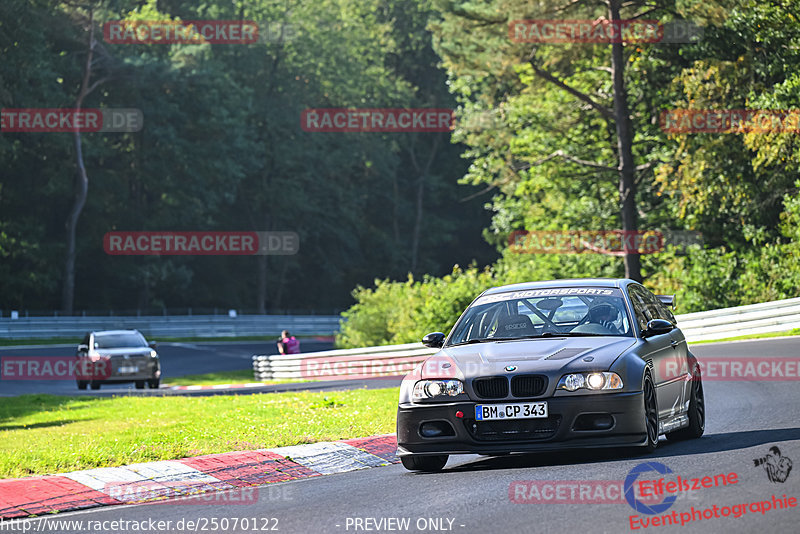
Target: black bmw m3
550, 366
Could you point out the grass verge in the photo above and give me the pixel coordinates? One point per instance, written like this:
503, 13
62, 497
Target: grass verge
42, 434
794, 332
226, 377
75, 340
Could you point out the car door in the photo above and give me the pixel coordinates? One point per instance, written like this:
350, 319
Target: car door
659, 352
680, 360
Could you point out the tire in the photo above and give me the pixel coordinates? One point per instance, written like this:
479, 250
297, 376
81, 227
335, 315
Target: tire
94, 385
154, 383
428, 464
697, 413
650, 415
140, 384
82, 384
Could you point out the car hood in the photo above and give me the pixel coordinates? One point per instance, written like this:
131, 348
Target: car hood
541, 355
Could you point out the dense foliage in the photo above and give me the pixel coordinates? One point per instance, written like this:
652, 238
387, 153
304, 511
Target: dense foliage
222, 149
550, 160
536, 147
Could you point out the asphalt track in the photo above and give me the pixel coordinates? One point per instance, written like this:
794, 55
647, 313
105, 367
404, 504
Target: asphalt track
744, 419
177, 359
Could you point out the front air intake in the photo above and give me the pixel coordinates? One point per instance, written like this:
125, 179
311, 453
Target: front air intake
528, 385
492, 387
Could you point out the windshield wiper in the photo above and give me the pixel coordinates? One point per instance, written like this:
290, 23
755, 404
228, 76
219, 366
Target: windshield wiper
563, 334
481, 340
536, 336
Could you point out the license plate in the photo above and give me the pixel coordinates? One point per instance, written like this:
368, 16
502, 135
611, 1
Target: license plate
522, 410
128, 370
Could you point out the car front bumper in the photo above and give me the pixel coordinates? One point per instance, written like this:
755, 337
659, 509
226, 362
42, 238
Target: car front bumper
560, 430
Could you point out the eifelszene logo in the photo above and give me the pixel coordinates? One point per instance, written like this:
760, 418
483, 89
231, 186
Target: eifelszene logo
777, 467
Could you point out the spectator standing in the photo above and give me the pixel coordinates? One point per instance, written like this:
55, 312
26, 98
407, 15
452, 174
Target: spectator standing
288, 344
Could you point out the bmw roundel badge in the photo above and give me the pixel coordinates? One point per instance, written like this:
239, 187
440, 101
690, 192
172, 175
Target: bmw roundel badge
510, 368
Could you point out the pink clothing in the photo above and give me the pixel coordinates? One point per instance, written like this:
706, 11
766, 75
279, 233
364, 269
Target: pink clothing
291, 345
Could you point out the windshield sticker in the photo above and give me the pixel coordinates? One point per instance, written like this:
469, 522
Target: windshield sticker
555, 292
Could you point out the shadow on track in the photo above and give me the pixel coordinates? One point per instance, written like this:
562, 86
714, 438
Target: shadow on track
710, 443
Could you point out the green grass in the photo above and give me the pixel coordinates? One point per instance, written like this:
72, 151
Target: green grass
42, 434
51, 341
75, 340
224, 377
794, 332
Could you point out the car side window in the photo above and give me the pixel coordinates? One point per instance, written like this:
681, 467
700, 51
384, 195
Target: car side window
659, 308
639, 307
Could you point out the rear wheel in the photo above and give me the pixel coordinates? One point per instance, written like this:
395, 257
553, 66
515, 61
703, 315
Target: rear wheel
82, 384
140, 384
697, 413
95, 385
650, 415
429, 464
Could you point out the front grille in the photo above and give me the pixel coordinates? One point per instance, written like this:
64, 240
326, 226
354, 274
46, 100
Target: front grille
528, 385
513, 429
493, 387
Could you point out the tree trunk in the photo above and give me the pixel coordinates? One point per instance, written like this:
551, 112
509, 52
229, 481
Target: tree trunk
261, 291
423, 174
627, 169
81, 183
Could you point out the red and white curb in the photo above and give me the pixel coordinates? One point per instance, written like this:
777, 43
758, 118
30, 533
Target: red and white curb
160, 481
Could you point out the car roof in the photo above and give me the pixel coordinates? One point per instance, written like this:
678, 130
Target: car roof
103, 332
577, 282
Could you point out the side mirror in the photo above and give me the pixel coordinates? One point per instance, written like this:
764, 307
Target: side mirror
153, 345
434, 340
656, 327
83, 348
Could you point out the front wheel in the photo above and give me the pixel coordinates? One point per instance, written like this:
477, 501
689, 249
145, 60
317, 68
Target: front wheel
650, 415
139, 384
429, 464
154, 383
82, 384
697, 413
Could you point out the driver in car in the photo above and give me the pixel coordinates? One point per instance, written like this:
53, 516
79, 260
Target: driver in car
604, 314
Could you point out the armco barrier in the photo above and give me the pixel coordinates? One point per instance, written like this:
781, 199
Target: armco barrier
766, 317
170, 326
761, 318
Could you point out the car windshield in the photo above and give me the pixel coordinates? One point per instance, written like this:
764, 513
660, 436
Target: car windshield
116, 341
574, 311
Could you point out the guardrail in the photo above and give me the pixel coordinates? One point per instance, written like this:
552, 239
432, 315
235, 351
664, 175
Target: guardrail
763, 318
387, 360
171, 326
391, 360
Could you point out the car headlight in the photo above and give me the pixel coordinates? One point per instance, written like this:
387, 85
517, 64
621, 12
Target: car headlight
593, 381
153, 354
429, 389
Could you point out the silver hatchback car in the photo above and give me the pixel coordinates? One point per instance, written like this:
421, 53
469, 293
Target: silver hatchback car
123, 356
